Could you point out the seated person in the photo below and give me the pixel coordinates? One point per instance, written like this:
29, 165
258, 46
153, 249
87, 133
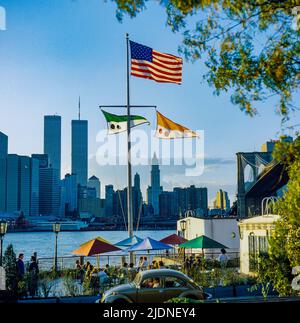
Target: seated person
148, 283
156, 283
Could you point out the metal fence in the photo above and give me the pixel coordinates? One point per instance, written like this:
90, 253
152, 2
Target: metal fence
169, 259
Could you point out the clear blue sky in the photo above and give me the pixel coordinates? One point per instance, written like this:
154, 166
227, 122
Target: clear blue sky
52, 51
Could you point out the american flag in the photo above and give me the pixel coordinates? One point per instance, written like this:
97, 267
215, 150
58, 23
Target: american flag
151, 64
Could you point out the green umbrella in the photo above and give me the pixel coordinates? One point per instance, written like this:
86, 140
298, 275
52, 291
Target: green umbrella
202, 242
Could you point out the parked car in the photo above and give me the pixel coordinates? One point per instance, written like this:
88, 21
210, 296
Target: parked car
155, 286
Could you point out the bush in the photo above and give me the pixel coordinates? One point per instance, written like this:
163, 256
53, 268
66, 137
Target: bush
9, 264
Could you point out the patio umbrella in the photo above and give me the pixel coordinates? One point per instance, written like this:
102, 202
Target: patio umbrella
148, 244
95, 246
173, 239
202, 242
128, 242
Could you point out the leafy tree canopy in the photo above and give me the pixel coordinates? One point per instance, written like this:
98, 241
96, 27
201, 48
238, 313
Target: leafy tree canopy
284, 244
251, 48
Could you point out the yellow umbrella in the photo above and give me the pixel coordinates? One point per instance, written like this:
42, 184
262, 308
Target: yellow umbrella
95, 246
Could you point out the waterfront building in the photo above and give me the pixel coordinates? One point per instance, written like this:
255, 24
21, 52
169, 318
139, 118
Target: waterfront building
94, 182
109, 200
50, 191
254, 235
22, 189
137, 201
222, 229
191, 198
80, 150
3, 156
154, 189
3, 145
167, 208
69, 194
222, 201
52, 140
94, 207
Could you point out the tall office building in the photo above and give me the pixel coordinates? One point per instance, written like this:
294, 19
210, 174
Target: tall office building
94, 182
155, 189
22, 189
3, 156
50, 191
12, 187
80, 150
222, 201
52, 140
191, 198
69, 195
109, 200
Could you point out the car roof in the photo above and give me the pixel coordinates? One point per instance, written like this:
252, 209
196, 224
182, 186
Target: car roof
162, 272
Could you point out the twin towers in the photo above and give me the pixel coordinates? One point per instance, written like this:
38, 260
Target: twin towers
79, 145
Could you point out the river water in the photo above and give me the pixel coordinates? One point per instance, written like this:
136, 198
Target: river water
44, 242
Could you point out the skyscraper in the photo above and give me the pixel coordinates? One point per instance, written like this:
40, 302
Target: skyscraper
222, 201
69, 194
155, 189
22, 189
109, 200
94, 182
80, 150
191, 198
3, 155
52, 140
50, 191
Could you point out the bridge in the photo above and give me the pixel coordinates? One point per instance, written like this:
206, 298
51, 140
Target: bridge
258, 176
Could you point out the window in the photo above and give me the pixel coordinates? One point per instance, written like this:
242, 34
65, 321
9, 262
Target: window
154, 282
174, 282
257, 246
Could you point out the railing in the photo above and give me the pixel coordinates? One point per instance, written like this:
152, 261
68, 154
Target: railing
176, 259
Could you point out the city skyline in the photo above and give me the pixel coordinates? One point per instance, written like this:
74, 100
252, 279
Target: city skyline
55, 59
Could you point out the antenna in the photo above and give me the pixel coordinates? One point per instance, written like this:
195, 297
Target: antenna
79, 108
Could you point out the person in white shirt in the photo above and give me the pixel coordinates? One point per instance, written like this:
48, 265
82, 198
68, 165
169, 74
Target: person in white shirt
145, 263
223, 258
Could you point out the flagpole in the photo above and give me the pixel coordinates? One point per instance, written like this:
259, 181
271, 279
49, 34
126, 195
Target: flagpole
129, 176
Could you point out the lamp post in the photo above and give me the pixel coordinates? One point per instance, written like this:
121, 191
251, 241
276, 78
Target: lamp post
56, 230
183, 228
3, 229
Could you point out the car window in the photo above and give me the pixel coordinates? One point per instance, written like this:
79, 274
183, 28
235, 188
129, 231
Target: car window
154, 282
174, 282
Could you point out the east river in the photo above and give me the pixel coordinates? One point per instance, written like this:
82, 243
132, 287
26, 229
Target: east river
43, 242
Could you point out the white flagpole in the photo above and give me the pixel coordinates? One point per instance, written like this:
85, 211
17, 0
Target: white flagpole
129, 176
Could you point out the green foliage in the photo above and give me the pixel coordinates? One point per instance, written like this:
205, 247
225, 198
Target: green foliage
251, 48
177, 300
9, 264
284, 251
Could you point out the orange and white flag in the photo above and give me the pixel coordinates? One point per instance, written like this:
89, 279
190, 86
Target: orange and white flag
167, 129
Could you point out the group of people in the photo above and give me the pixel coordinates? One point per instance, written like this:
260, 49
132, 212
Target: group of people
193, 261
101, 276
32, 270
144, 264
